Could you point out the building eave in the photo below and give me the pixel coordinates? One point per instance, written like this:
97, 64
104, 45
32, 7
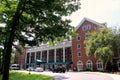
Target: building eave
92, 21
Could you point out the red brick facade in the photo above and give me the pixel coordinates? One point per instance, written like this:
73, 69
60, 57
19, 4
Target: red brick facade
79, 54
20, 57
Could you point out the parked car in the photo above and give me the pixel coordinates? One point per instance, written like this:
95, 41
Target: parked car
30, 69
15, 67
39, 69
59, 70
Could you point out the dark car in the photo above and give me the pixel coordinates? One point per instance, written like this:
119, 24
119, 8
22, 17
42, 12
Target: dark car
59, 70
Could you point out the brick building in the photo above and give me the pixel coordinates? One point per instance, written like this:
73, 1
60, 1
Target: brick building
80, 60
71, 54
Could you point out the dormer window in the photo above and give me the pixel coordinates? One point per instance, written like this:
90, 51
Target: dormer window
86, 27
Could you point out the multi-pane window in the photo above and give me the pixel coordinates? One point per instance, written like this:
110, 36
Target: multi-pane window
78, 46
79, 54
89, 65
79, 65
86, 27
99, 65
87, 35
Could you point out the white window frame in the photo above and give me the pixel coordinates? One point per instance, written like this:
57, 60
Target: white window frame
86, 27
99, 65
79, 54
79, 65
87, 36
89, 65
78, 46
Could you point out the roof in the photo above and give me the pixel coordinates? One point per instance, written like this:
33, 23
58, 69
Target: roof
92, 21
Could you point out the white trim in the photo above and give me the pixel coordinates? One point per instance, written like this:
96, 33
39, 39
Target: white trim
79, 65
63, 54
88, 65
98, 63
46, 47
78, 46
55, 55
78, 54
47, 56
92, 21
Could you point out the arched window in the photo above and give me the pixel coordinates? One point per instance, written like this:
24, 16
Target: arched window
89, 65
99, 65
79, 65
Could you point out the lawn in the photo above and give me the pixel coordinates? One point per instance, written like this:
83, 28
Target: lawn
26, 76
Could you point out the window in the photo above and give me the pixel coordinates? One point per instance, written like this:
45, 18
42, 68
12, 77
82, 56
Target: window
87, 36
78, 38
79, 54
78, 45
79, 65
86, 27
89, 65
99, 65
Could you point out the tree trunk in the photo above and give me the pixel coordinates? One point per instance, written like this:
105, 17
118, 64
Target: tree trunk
8, 46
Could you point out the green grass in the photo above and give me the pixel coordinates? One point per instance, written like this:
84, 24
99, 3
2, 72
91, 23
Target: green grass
26, 76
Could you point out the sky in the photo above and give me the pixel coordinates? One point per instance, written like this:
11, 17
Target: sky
98, 10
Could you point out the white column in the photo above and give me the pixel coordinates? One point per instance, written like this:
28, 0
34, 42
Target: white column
63, 54
29, 58
26, 59
41, 55
47, 56
35, 56
55, 55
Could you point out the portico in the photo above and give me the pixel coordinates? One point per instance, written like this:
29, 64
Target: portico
54, 56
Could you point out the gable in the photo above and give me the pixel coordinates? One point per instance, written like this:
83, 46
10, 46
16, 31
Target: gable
91, 21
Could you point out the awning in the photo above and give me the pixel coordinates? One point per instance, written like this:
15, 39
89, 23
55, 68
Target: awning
56, 63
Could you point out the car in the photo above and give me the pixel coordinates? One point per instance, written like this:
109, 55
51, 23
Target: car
15, 67
30, 69
59, 70
39, 69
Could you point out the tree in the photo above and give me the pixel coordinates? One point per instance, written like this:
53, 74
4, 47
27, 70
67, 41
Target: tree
99, 44
116, 41
33, 22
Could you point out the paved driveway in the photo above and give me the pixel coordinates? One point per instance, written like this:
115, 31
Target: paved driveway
80, 75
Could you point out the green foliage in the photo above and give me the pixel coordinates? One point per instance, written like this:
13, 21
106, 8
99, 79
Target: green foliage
26, 76
116, 41
39, 20
33, 22
100, 45
103, 53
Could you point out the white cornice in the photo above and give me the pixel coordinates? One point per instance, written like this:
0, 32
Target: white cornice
92, 21
46, 47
